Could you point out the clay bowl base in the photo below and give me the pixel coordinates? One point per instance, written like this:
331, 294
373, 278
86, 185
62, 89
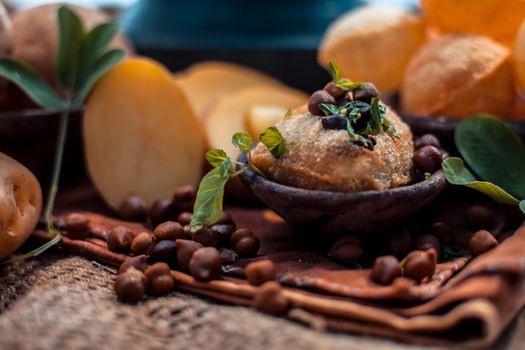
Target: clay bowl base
334, 213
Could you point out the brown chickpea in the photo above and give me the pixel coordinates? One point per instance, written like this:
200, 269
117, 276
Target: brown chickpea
161, 211
142, 242
269, 298
481, 242
119, 239
318, 97
259, 272
385, 270
169, 230
205, 264
130, 286
133, 208
77, 226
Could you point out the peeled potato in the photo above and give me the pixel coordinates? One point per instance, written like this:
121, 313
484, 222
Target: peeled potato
35, 36
20, 204
141, 134
259, 117
458, 76
372, 44
204, 83
228, 115
496, 19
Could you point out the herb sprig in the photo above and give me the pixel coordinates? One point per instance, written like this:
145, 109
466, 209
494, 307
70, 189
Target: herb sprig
497, 156
82, 58
363, 120
208, 205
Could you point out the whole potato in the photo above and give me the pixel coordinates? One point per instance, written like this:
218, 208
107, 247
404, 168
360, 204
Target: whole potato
35, 37
20, 204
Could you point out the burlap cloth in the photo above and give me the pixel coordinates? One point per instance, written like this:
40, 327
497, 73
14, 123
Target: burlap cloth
67, 302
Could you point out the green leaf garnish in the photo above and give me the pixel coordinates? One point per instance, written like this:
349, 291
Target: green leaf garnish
30, 83
494, 152
334, 71
328, 109
216, 157
457, 174
349, 85
522, 206
81, 60
93, 48
101, 67
69, 43
242, 140
273, 139
208, 205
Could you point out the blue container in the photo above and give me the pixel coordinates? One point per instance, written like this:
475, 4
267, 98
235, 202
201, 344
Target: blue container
278, 37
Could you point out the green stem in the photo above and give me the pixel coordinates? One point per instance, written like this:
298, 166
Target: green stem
57, 166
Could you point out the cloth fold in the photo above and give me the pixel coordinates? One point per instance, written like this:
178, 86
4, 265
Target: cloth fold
468, 302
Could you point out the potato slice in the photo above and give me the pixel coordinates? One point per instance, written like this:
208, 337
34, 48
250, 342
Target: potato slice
228, 116
20, 204
205, 82
496, 19
259, 117
457, 76
372, 44
141, 134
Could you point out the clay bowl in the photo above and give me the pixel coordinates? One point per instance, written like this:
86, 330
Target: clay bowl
334, 213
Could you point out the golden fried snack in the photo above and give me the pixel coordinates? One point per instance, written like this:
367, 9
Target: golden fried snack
372, 44
457, 76
327, 160
496, 19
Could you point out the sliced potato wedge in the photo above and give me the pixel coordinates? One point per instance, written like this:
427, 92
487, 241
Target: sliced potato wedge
259, 117
204, 83
228, 116
141, 134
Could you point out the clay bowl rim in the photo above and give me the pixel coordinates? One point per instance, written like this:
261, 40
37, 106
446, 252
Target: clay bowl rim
436, 181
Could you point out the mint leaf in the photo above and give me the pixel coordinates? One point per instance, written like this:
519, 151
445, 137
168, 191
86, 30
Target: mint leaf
334, 71
494, 152
273, 139
349, 85
208, 205
522, 206
457, 174
375, 117
93, 47
71, 36
216, 157
29, 82
242, 140
102, 66
328, 109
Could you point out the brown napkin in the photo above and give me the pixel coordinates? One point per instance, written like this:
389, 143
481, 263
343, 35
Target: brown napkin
466, 303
